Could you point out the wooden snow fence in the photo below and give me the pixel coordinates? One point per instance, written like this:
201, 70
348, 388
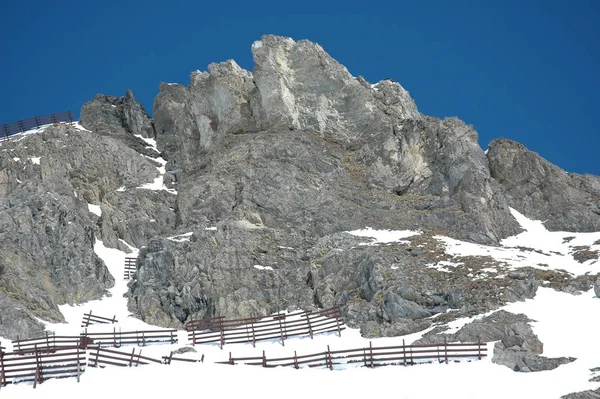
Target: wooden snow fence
89, 319
118, 338
281, 326
405, 355
49, 343
101, 357
40, 365
20, 126
130, 267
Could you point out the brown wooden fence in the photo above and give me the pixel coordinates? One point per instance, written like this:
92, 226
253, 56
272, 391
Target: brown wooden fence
41, 365
100, 357
8, 129
118, 338
130, 267
49, 343
405, 355
89, 319
282, 326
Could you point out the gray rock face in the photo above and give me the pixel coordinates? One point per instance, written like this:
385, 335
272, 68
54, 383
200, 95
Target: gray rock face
297, 90
590, 394
47, 231
518, 348
274, 165
288, 156
542, 191
119, 117
597, 287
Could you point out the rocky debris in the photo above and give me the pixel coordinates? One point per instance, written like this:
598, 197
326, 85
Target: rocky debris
185, 349
517, 348
542, 191
590, 394
597, 287
563, 281
119, 117
583, 253
512, 355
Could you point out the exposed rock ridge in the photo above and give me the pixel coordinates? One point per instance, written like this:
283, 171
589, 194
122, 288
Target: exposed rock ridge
120, 117
542, 191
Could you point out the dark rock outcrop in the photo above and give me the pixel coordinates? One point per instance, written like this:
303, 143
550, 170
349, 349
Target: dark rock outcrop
122, 118
518, 348
597, 287
542, 191
590, 394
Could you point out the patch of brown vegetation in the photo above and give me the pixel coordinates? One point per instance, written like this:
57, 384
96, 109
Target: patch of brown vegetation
584, 253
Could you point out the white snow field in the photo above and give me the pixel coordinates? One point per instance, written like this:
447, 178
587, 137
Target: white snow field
568, 325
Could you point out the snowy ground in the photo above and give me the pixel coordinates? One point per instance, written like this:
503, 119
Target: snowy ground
567, 325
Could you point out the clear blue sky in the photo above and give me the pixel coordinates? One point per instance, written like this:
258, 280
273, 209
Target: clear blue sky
523, 69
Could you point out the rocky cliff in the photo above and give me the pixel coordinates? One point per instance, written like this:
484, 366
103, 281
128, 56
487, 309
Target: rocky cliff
273, 167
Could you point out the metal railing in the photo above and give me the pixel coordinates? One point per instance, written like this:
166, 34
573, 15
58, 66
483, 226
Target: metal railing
23, 125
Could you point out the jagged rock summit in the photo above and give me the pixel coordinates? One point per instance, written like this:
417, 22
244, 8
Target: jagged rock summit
274, 166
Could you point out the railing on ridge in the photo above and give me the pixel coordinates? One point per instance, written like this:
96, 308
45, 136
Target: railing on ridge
20, 126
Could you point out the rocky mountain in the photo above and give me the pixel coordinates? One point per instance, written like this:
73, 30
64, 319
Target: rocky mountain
261, 175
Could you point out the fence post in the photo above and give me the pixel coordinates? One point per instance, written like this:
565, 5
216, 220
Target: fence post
37, 121
222, 332
328, 360
53, 118
307, 314
38, 367
404, 352
253, 334
371, 352
446, 349
78, 365
2, 376
264, 360
70, 116
97, 355
21, 126
296, 366
230, 359
281, 331
5, 131
338, 315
